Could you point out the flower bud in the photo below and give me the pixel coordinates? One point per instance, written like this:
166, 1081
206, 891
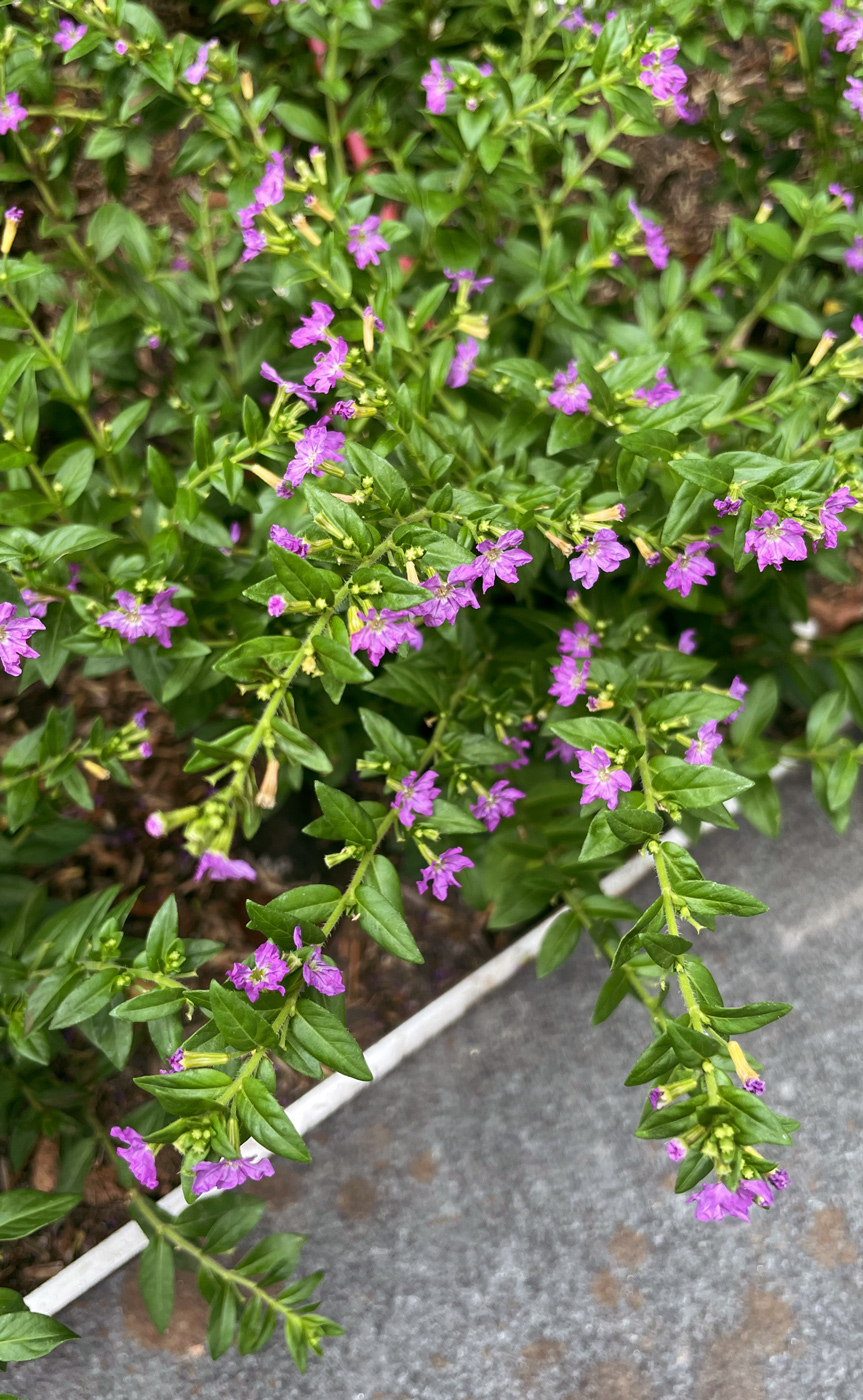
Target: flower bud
266, 797
12, 219
302, 225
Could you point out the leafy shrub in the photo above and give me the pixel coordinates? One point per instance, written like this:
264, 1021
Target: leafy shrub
355, 397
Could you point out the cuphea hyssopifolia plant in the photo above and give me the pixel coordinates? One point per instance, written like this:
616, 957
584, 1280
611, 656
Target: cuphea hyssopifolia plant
402, 432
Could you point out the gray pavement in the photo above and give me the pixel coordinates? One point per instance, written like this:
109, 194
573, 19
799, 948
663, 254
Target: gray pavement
490, 1227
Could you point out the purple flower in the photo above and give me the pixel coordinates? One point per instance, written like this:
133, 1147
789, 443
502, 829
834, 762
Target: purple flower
828, 515
384, 631
558, 749
121, 47
446, 602
68, 34
839, 192
37, 603
345, 408
854, 255
139, 719
416, 796
293, 543
437, 85
836, 19
255, 242
521, 747
577, 640
442, 872
497, 559
13, 215
851, 35
602, 551
655, 246
220, 867
598, 778
774, 540
857, 325
146, 750
675, 1150
689, 568
275, 605
365, 243
701, 749
15, 633
12, 114
465, 277
317, 973
318, 444
462, 363
657, 1098
755, 1086
197, 71
570, 680
736, 691
687, 643
715, 1201
226, 1175
728, 506
288, 385
139, 1156
662, 392
180, 265
329, 366
854, 95
569, 394
271, 190
497, 803
661, 74
267, 974
313, 327
779, 1178
176, 1062
155, 825
74, 576
161, 616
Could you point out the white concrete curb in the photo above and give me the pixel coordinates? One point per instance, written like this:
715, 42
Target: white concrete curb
313, 1107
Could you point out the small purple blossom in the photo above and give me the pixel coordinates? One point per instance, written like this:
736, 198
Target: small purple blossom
603, 551
701, 750
599, 778
736, 691
655, 246
275, 605
318, 444
779, 1179
139, 1156
857, 325
416, 796
146, 750
267, 974
68, 34
344, 408
657, 1098
226, 1175
436, 85
220, 867
497, 803
384, 631
839, 192
155, 825
773, 540
462, 363
314, 327
577, 640
295, 544
446, 602
853, 256
828, 515
254, 241
675, 1149
161, 616
755, 1086
329, 367
558, 749
365, 242
37, 603
662, 392
568, 393
690, 568
498, 559
317, 973
687, 643
728, 506
715, 1201
464, 277
15, 633
13, 215
661, 74
12, 114
441, 873
271, 190
197, 71
176, 1062
570, 680
521, 748
121, 47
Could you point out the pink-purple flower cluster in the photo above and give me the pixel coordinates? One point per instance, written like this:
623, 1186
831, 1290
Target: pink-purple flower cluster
702, 748
266, 976
690, 568
226, 1175
366, 243
316, 973
436, 84
497, 559
655, 246
220, 867
463, 362
15, 634
295, 544
440, 873
715, 1201
416, 796
384, 631
69, 34
599, 777
499, 802
446, 601
568, 393
602, 552
134, 618
12, 113
139, 1156
663, 391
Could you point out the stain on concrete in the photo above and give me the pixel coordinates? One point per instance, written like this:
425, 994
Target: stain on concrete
828, 1240
734, 1361
613, 1380
357, 1197
423, 1167
438, 1362
628, 1248
539, 1355
605, 1287
187, 1330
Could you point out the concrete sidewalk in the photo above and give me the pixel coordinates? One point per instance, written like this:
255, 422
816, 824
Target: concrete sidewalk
490, 1227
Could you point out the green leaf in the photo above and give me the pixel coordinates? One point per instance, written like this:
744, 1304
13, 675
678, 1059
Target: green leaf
559, 941
349, 524
191, 1091
266, 1121
156, 1281
85, 999
240, 1024
658, 1059
703, 473
694, 1168
24, 1336
312, 903
387, 739
301, 580
608, 734
695, 785
385, 924
651, 921
336, 660
634, 825
773, 239
223, 1320
737, 1020
755, 1122
709, 897
611, 994
162, 478
450, 819
324, 1036
23, 1210
691, 1047
302, 122
346, 816
150, 1006
299, 748
825, 717
162, 934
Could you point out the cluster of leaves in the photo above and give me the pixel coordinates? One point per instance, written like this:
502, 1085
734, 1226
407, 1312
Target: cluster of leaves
137, 433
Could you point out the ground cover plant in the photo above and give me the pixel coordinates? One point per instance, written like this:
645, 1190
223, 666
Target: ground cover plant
367, 396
